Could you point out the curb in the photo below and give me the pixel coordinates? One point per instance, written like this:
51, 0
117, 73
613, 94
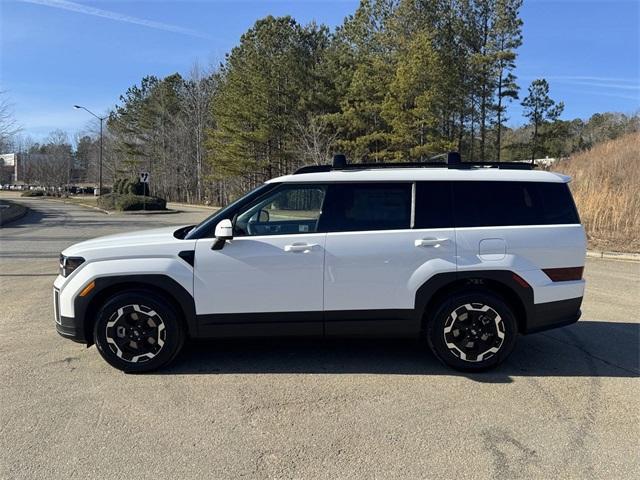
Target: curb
16, 215
130, 212
190, 205
116, 212
629, 257
93, 207
168, 211
106, 212
145, 212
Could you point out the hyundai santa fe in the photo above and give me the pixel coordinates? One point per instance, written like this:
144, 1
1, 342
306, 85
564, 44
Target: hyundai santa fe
466, 256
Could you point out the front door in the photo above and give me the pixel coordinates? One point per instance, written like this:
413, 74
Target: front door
269, 277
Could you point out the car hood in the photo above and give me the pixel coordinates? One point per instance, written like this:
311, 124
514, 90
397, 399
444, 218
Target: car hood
124, 242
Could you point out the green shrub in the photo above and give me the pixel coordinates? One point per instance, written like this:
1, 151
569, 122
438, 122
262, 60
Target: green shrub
128, 203
125, 189
123, 186
107, 202
117, 185
139, 202
137, 188
32, 193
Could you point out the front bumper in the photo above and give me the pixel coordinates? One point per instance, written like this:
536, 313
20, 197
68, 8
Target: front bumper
554, 314
71, 330
67, 326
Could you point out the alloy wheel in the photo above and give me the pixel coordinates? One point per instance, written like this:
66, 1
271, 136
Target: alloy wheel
135, 333
474, 332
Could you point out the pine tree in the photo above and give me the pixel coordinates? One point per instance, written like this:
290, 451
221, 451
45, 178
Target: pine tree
263, 89
414, 102
506, 37
540, 109
365, 64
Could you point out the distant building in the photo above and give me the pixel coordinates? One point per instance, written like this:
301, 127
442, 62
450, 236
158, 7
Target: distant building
545, 162
8, 168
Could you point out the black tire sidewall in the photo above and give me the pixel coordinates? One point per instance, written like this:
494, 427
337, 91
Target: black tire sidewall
174, 331
436, 325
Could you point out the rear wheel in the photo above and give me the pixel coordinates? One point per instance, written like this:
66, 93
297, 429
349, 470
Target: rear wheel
472, 331
138, 331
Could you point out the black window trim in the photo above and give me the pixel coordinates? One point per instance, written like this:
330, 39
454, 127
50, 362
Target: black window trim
205, 230
412, 221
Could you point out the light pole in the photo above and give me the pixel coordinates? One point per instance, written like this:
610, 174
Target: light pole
100, 164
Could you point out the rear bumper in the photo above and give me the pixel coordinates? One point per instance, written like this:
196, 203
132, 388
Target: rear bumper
554, 314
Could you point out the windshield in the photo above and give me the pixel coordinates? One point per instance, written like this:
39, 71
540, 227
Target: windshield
207, 226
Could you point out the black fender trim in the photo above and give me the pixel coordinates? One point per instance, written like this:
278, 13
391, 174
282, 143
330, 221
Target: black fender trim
85, 308
508, 283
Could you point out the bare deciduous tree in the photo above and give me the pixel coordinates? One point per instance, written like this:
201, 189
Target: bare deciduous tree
8, 125
315, 141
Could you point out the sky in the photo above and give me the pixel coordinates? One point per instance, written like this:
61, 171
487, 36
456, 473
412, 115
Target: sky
57, 53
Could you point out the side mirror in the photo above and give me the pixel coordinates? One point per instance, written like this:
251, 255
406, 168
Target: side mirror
223, 232
263, 216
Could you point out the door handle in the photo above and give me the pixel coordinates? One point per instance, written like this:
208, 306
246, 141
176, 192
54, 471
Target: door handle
299, 247
430, 242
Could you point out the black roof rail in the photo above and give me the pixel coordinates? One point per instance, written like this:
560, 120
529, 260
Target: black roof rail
454, 161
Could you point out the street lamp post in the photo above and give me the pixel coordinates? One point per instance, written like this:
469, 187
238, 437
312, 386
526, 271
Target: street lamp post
100, 164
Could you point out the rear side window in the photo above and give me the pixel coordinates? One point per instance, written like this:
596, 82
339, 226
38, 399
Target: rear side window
483, 204
433, 205
366, 206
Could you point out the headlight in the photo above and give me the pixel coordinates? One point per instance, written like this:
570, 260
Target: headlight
69, 264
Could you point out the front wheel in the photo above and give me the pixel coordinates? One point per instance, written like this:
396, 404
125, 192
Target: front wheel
138, 331
472, 331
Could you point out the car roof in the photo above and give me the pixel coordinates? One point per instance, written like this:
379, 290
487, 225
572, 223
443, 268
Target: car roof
423, 174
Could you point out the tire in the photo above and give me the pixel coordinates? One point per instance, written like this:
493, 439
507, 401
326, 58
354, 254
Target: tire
138, 332
472, 331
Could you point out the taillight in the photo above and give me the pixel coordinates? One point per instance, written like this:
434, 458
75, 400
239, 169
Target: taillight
564, 274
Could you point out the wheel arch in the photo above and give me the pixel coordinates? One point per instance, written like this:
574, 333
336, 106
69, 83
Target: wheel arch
505, 283
86, 308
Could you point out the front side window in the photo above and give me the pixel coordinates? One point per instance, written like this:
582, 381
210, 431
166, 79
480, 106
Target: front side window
289, 210
367, 206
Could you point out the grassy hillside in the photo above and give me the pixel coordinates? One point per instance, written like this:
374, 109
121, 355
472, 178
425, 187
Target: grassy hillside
606, 187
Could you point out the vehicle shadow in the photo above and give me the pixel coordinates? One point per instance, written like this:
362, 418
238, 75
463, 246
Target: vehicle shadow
585, 349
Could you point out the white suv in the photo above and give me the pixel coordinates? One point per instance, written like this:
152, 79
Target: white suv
464, 255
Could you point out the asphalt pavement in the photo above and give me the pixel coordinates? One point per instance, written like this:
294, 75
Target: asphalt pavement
565, 405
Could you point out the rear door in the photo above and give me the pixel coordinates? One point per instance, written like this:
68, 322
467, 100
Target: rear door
379, 250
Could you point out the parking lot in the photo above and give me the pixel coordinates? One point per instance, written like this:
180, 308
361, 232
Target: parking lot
565, 405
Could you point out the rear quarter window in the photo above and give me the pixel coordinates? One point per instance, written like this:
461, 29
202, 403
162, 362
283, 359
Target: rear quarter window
483, 204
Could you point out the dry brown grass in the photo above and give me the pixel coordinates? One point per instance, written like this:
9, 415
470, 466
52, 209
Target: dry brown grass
606, 188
